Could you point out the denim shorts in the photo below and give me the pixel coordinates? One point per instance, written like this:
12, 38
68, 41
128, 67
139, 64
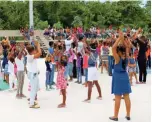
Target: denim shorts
132, 69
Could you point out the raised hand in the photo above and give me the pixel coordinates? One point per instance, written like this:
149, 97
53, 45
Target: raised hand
139, 30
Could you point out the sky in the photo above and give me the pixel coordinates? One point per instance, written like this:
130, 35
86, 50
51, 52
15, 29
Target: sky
143, 1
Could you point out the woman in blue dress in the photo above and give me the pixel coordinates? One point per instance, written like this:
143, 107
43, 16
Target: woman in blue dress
120, 79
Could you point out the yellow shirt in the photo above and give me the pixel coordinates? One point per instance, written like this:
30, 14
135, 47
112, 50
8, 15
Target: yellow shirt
110, 51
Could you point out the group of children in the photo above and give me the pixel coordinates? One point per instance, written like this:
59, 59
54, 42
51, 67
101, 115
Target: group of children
70, 60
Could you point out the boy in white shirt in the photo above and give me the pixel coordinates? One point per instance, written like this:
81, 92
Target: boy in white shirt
68, 43
32, 68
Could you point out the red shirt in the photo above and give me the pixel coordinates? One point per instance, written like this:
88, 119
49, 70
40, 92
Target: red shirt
136, 53
85, 61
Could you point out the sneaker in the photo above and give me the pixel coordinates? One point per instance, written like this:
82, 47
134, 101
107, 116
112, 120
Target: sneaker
48, 88
80, 82
53, 83
77, 82
51, 88
114, 119
35, 106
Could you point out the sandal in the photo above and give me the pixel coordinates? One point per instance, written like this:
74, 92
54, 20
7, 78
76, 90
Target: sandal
35, 106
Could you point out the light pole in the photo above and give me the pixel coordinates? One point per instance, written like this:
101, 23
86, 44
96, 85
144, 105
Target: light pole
31, 18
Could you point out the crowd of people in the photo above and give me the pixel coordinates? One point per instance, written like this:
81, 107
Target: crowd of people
93, 32
122, 54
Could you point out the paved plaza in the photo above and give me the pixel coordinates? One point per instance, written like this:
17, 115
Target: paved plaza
14, 110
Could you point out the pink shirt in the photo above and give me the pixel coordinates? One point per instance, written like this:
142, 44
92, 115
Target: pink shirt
98, 31
85, 61
80, 30
70, 60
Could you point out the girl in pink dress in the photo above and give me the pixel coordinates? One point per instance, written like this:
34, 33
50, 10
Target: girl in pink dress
61, 81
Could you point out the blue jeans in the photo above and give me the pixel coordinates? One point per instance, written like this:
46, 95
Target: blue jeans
86, 74
66, 72
110, 64
48, 78
137, 68
70, 69
79, 75
34, 82
52, 74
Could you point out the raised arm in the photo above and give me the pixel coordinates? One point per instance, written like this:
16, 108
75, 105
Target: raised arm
1, 49
114, 48
38, 54
128, 46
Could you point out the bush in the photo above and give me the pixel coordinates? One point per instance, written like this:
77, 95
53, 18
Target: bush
41, 25
58, 25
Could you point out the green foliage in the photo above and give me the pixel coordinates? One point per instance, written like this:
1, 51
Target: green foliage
41, 25
76, 13
13, 14
77, 21
58, 25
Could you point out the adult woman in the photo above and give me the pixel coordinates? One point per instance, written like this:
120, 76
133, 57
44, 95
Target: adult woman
142, 42
120, 79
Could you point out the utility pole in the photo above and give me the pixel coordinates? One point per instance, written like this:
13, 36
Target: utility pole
31, 18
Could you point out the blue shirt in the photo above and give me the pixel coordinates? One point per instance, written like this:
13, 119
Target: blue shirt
132, 61
92, 59
51, 51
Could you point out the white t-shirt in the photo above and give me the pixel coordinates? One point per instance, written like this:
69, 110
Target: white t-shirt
50, 65
11, 68
32, 64
104, 50
68, 44
80, 47
20, 64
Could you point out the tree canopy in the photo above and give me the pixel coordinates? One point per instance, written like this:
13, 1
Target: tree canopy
13, 15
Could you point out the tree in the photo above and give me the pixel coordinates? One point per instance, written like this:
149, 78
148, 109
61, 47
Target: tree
77, 21
58, 25
76, 13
